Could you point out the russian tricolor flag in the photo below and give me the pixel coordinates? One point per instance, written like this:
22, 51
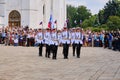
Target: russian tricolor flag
51, 22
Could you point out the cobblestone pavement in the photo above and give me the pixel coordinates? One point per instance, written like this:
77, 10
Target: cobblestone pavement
21, 63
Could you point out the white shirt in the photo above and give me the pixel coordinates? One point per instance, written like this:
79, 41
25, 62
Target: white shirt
28, 35
54, 38
65, 37
40, 37
59, 37
78, 38
47, 38
73, 37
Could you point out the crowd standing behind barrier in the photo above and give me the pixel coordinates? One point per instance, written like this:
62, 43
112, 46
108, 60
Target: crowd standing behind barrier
18, 36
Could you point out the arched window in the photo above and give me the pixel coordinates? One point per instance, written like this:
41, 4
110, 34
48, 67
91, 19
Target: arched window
14, 19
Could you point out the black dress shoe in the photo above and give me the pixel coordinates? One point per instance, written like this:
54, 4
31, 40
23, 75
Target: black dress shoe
40, 55
54, 58
73, 54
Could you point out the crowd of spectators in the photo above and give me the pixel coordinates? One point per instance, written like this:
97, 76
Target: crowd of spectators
19, 36
106, 39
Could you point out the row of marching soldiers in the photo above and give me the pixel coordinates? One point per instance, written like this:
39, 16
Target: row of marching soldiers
52, 38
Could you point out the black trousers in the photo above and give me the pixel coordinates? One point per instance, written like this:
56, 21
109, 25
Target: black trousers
32, 42
47, 51
78, 50
28, 42
54, 51
65, 50
115, 43
119, 44
73, 47
100, 44
40, 49
3, 40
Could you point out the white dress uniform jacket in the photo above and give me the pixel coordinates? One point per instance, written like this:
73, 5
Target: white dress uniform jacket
54, 38
59, 38
73, 37
47, 38
78, 38
65, 37
40, 38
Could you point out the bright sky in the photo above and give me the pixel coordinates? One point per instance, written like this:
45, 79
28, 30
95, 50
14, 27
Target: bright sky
93, 5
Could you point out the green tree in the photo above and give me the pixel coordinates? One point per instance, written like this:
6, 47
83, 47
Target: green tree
71, 14
83, 13
89, 22
101, 16
112, 8
75, 14
113, 22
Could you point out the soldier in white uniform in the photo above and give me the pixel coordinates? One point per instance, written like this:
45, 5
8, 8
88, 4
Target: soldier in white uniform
73, 40
65, 42
40, 37
54, 44
47, 37
78, 41
59, 38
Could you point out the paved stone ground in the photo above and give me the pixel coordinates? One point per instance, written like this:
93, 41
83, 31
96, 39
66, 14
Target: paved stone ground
21, 63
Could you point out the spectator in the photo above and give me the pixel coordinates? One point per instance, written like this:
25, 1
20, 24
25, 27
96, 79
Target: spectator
16, 39
0, 36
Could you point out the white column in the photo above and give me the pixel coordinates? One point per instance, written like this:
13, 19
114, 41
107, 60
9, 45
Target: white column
25, 12
59, 12
47, 12
2, 12
40, 15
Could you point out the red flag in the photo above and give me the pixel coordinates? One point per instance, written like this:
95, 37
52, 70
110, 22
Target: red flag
49, 24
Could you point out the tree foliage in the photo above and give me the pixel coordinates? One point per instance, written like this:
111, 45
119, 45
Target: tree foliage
89, 22
77, 14
112, 8
113, 22
107, 18
71, 14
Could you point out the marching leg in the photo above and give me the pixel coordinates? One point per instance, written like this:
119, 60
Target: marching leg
73, 46
78, 50
67, 51
56, 52
49, 49
40, 49
63, 51
46, 55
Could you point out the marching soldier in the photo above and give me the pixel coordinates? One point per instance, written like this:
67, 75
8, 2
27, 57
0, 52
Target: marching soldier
65, 42
40, 41
54, 46
47, 38
78, 41
59, 37
73, 40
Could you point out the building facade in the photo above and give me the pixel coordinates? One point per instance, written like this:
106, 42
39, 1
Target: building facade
32, 12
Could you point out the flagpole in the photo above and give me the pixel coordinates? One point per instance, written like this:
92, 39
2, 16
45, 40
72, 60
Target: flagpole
42, 26
56, 26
